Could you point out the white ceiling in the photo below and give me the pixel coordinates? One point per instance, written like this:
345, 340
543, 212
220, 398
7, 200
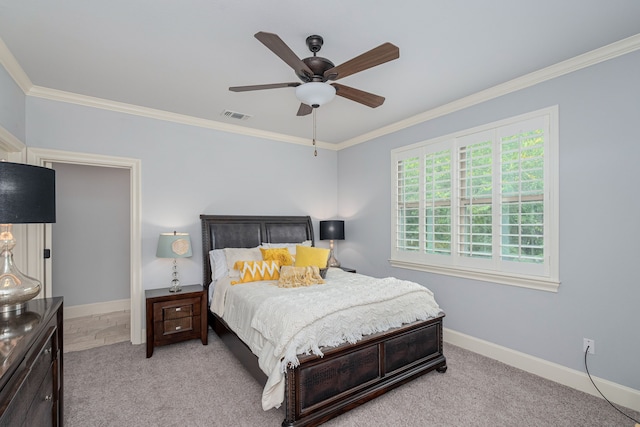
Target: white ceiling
181, 56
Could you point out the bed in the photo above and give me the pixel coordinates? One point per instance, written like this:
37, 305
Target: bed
348, 375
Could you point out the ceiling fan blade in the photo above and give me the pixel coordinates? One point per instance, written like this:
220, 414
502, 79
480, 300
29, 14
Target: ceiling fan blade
304, 110
384, 53
261, 87
280, 48
357, 95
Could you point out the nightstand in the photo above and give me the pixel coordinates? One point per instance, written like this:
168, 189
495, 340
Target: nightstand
348, 270
176, 316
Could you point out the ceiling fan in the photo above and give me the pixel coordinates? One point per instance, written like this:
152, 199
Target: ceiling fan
315, 72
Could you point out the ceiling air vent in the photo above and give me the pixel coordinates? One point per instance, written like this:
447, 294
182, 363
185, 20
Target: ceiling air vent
235, 115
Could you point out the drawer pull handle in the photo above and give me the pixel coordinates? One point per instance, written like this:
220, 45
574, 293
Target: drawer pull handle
47, 350
48, 397
178, 328
179, 309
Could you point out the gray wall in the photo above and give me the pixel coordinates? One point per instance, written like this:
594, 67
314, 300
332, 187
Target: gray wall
598, 298
188, 171
12, 106
90, 251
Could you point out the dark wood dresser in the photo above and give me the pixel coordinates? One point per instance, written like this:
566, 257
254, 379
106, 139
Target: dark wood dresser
31, 365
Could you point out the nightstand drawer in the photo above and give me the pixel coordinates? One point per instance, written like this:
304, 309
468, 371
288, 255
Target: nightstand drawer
177, 312
178, 325
168, 310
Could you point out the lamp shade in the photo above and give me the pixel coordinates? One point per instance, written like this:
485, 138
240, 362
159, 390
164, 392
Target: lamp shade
174, 245
315, 94
27, 194
332, 230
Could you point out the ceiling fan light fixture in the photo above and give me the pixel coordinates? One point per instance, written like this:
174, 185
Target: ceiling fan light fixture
315, 94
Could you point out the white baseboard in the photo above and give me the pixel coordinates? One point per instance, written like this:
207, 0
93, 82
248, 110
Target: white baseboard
616, 393
71, 312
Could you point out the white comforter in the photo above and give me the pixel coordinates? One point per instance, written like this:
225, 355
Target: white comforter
278, 323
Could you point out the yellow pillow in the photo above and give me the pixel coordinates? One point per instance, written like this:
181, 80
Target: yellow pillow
253, 271
308, 256
280, 254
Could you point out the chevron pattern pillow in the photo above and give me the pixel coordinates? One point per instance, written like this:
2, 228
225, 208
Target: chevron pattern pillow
253, 271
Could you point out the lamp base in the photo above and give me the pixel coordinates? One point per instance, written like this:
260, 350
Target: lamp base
175, 282
16, 288
332, 262
175, 286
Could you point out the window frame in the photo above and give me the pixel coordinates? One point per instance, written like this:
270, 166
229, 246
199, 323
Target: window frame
543, 276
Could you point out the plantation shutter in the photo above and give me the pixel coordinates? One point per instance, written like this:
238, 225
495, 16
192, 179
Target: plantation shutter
408, 204
522, 189
475, 202
437, 200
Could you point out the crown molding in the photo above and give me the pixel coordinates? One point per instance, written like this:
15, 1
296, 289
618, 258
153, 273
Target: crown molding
121, 107
14, 69
585, 60
10, 142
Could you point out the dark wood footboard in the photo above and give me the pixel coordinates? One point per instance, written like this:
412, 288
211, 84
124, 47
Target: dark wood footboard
349, 375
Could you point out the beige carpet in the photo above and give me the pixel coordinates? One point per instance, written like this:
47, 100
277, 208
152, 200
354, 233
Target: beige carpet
188, 384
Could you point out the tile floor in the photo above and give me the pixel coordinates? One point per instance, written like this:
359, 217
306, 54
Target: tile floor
86, 332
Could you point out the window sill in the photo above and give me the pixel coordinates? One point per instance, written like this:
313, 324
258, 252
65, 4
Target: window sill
503, 279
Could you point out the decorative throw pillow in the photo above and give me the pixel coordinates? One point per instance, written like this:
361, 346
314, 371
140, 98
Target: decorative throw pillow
234, 255
280, 254
218, 263
308, 256
253, 271
290, 246
294, 277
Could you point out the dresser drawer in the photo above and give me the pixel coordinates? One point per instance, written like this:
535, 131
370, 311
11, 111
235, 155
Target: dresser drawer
41, 410
42, 364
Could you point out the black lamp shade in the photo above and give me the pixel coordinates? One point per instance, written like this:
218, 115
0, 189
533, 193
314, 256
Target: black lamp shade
332, 230
27, 194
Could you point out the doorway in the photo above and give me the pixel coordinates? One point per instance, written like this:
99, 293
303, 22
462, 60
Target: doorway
46, 157
90, 239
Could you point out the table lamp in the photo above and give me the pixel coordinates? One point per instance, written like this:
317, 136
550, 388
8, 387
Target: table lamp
27, 196
174, 245
332, 230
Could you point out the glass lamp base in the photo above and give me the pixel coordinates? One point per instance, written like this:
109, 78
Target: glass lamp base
332, 262
175, 286
16, 288
175, 282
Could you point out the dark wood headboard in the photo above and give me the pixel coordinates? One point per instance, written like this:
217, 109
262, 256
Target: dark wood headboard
232, 231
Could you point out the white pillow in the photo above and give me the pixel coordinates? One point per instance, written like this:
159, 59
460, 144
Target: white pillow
240, 254
290, 246
218, 264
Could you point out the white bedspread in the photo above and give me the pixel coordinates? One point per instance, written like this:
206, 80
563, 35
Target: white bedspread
280, 323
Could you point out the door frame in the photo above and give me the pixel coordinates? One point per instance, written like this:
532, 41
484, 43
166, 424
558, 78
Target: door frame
36, 241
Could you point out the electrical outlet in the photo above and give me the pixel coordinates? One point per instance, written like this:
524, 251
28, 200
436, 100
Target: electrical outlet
590, 344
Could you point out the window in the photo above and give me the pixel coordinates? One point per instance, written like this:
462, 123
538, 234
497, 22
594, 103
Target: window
481, 203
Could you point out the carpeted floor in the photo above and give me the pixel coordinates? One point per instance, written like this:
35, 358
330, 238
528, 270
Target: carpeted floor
188, 384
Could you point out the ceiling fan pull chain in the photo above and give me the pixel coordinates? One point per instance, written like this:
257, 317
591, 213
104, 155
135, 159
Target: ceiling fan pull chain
315, 149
